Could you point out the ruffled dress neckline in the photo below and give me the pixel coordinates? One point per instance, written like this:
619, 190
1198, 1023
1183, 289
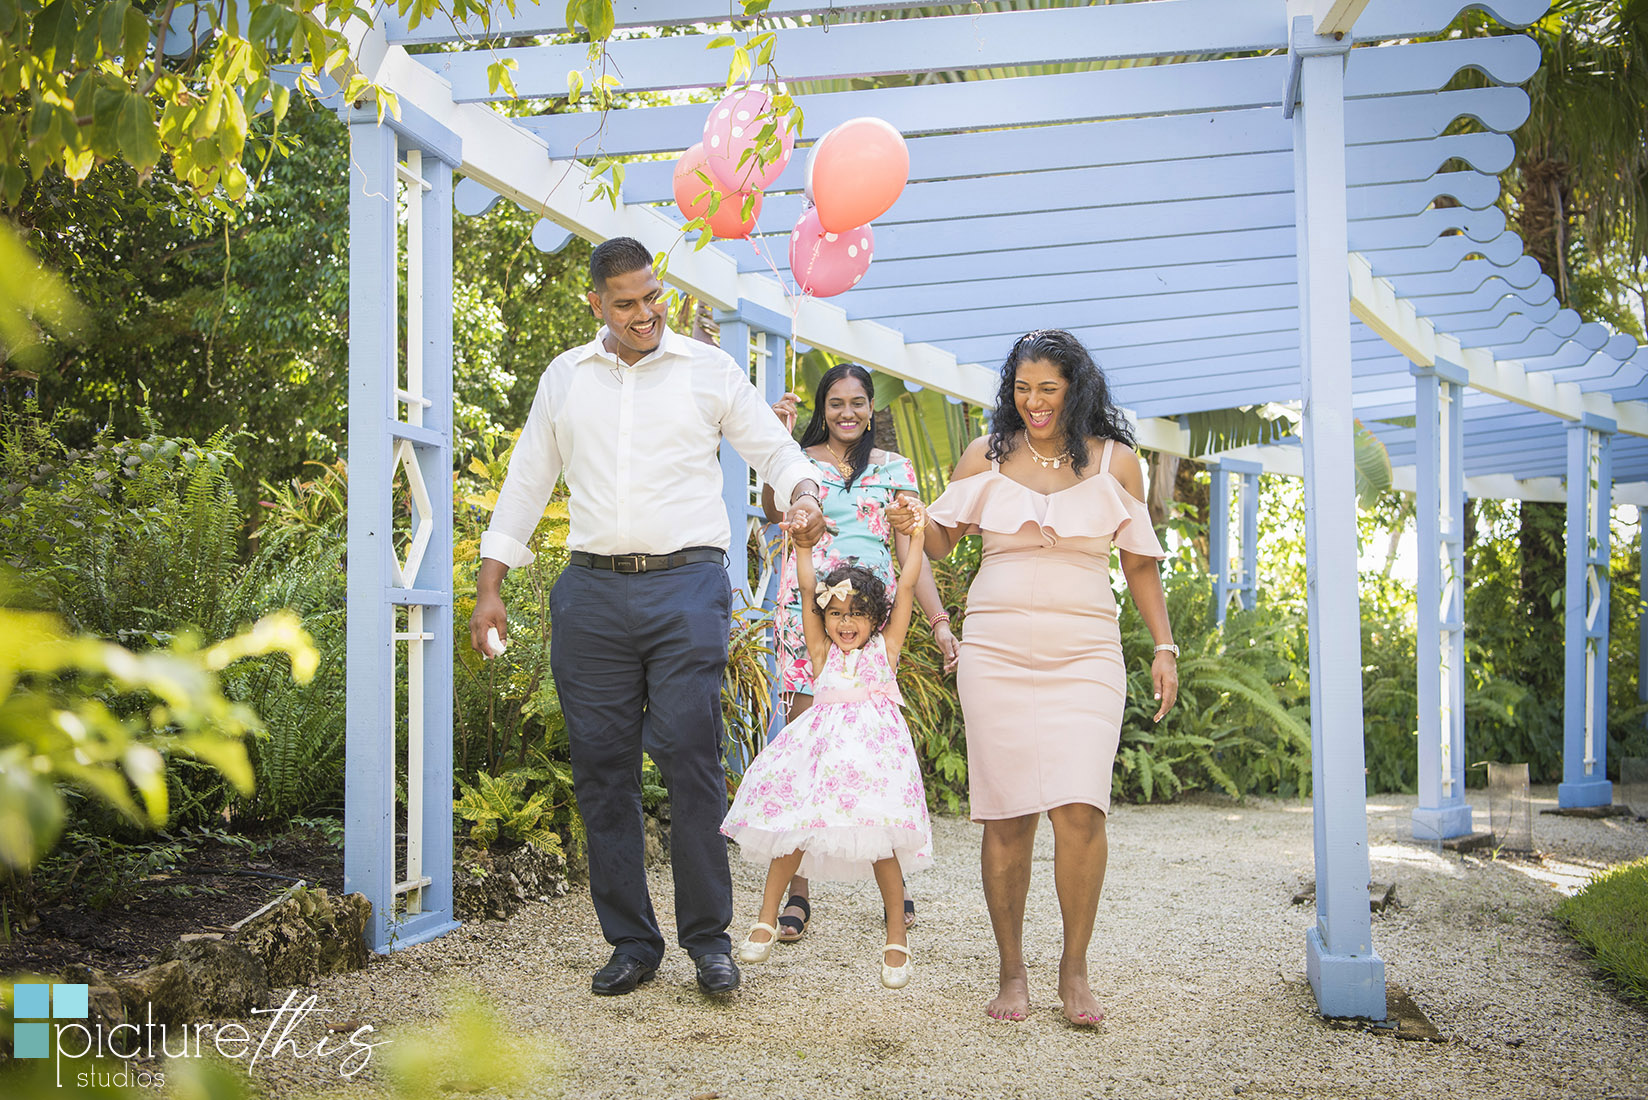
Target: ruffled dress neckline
994, 502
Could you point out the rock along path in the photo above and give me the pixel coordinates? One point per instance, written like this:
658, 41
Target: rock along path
1198, 959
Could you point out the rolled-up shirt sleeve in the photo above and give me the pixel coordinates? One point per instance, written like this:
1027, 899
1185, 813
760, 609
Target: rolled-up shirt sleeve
534, 468
759, 437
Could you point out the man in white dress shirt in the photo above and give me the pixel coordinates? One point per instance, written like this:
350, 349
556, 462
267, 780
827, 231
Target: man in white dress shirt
641, 616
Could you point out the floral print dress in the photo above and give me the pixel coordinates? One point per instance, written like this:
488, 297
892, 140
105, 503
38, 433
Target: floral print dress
841, 782
861, 531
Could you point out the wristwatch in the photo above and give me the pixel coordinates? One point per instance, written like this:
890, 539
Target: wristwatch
1171, 647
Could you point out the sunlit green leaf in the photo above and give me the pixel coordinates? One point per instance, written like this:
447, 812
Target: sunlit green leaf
134, 36
139, 134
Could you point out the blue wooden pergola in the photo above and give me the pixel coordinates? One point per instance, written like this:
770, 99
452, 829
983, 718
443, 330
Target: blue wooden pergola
1230, 201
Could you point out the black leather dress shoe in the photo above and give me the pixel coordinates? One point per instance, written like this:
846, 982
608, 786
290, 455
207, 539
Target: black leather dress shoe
621, 974
717, 973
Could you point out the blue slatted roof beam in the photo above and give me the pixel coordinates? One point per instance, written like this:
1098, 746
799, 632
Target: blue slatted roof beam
1068, 97
1156, 140
1259, 28
1200, 201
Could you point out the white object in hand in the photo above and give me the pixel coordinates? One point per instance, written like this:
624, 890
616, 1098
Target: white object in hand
495, 645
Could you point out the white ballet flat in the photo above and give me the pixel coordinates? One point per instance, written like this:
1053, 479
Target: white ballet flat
751, 952
895, 977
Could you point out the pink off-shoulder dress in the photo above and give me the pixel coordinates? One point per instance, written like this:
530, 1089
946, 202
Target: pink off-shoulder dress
1041, 678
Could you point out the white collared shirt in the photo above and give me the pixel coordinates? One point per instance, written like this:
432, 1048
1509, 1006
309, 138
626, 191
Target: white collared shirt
638, 445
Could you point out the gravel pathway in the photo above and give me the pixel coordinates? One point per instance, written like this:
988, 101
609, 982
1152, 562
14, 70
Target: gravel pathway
1198, 959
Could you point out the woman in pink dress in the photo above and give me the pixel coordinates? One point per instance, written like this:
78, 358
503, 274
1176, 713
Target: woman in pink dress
1053, 488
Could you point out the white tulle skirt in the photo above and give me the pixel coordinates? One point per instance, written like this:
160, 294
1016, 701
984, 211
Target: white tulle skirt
841, 785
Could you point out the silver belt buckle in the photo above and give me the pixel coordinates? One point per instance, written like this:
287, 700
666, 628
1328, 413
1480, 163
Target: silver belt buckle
635, 563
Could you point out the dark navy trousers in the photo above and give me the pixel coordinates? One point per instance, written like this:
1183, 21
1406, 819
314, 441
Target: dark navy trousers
638, 662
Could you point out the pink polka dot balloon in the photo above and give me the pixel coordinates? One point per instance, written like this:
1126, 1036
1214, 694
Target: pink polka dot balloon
823, 263
732, 128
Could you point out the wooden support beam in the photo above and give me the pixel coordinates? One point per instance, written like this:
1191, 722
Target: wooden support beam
1585, 617
1338, 17
1442, 811
1346, 973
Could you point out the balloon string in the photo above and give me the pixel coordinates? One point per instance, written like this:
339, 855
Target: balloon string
793, 298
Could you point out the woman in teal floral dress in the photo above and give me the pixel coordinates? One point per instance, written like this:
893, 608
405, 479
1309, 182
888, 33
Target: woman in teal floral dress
857, 483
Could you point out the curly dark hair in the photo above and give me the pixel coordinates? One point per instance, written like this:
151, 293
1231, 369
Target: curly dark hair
817, 431
1087, 411
870, 597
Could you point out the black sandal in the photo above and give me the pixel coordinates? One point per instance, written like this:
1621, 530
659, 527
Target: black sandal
791, 928
909, 912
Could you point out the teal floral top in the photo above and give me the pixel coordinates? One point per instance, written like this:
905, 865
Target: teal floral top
859, 518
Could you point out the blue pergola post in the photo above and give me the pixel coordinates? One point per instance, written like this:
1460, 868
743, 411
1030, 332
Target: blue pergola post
1440, 498
1233, 576
1585, 617
400, 426
756, 339
1345, 973
369, 784
735, 472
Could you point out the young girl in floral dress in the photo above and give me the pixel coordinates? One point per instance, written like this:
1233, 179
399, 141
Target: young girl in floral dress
838, 794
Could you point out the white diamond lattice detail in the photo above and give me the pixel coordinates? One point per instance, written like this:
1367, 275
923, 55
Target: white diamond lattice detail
423, 517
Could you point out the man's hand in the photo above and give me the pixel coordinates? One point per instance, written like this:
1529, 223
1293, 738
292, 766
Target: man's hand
804, 521
489, 612
785, 410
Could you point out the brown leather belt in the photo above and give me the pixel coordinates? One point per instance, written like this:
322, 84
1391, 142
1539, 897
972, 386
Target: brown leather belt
648, 563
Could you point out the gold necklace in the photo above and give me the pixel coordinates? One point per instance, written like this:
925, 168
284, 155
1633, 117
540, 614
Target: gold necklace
1042, 460
844, 467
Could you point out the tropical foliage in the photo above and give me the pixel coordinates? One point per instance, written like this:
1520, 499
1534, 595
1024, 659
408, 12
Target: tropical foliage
1577, 192
77, 710
139, 541
500, 806
1242, 721
84, 82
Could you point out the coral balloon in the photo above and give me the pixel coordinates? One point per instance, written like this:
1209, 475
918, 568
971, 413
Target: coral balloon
824, 263
856, 172
732, 129
728, 221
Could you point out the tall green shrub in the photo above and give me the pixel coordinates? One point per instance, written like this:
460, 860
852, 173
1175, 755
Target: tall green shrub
140, 541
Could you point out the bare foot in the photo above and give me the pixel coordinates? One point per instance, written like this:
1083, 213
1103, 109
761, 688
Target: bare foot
1012, 1002
1079, 1005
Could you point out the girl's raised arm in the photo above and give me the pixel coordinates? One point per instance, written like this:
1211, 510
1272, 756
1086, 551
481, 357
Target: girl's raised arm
904, 596
812, 616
